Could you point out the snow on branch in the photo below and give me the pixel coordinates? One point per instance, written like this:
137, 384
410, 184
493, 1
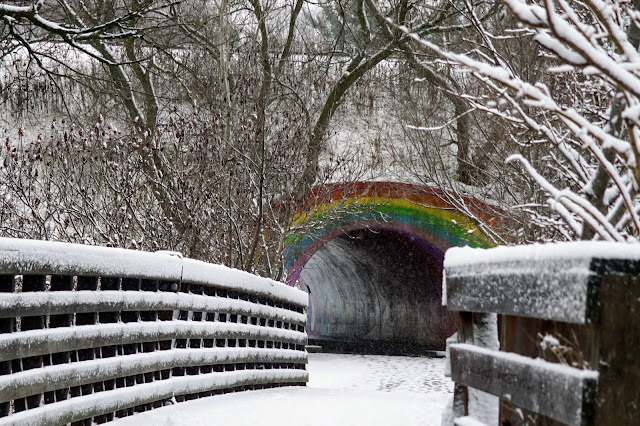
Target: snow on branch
573, 202
592, 169
33, 24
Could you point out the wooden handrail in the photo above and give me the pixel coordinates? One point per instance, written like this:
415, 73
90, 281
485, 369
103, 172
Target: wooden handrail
97, 333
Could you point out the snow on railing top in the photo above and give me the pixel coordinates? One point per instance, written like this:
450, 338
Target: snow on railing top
18, 256
46, 257
552, 281
577, 250
200, 272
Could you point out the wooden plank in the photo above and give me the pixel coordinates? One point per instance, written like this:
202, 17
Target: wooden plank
461, 392
75, 338
523, 336
478, 329
618, 401
534, 281
18, 256
61, 302
7, 325
33, 257
557, 391
207, 274
84, 407
31, 283
79, 373
555, 291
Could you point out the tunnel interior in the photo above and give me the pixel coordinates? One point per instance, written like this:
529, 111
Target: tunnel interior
376, 290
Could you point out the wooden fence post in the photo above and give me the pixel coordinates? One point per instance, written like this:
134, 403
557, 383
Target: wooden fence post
618, 401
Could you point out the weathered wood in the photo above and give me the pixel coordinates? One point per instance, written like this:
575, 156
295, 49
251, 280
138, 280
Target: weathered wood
7, 325
7, 286
560, 392
89, 406
52, 258
477, 329
77, 374
32, 283
93, 314
562, 289
556, 292
73, 339
85, 284
460, 392
61, 283
129, 285
618, 401
523, 336
109, 284
106, 383
82, 316
239, 282
61, 302
587, 305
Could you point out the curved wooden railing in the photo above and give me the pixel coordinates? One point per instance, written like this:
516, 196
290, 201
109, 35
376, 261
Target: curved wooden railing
90, 333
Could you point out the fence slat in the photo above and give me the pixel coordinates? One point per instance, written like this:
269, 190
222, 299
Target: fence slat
7, 325
83, 407
562, 304
78, 338
558, 391
60, 302
76, 374
559, 292
54, 258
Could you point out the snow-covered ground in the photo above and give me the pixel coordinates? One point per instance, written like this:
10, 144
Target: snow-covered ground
342, 390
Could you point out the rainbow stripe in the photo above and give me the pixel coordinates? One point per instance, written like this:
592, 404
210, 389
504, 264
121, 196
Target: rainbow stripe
417, 211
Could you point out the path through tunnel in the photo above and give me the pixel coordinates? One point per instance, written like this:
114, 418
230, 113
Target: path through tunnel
376, 291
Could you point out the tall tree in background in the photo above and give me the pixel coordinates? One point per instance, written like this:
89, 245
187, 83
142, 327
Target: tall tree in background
362, 28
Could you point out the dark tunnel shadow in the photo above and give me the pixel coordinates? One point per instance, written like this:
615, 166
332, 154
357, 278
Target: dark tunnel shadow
376, 291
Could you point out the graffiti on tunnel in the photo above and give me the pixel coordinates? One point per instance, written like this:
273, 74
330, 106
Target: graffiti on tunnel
370, 258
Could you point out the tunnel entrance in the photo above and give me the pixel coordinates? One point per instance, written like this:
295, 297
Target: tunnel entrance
376, 291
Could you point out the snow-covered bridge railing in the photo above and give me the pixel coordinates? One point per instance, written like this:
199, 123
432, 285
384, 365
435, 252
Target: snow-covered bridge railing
569, 328
90, 333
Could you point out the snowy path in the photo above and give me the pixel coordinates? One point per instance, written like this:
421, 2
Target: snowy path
343, 390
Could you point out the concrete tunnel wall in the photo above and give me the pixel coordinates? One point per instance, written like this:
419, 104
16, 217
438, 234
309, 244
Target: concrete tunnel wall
377, 286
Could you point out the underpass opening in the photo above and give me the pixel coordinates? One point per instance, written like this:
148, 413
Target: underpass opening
377, 291
370, 256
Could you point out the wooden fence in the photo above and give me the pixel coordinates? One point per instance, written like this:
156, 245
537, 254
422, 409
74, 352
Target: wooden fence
88, 333
568, 328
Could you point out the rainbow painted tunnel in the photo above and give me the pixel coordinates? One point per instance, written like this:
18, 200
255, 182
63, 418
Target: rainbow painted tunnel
370, 256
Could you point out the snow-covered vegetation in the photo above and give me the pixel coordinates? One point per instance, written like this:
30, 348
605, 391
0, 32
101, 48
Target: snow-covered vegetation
200, 126
581, 113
